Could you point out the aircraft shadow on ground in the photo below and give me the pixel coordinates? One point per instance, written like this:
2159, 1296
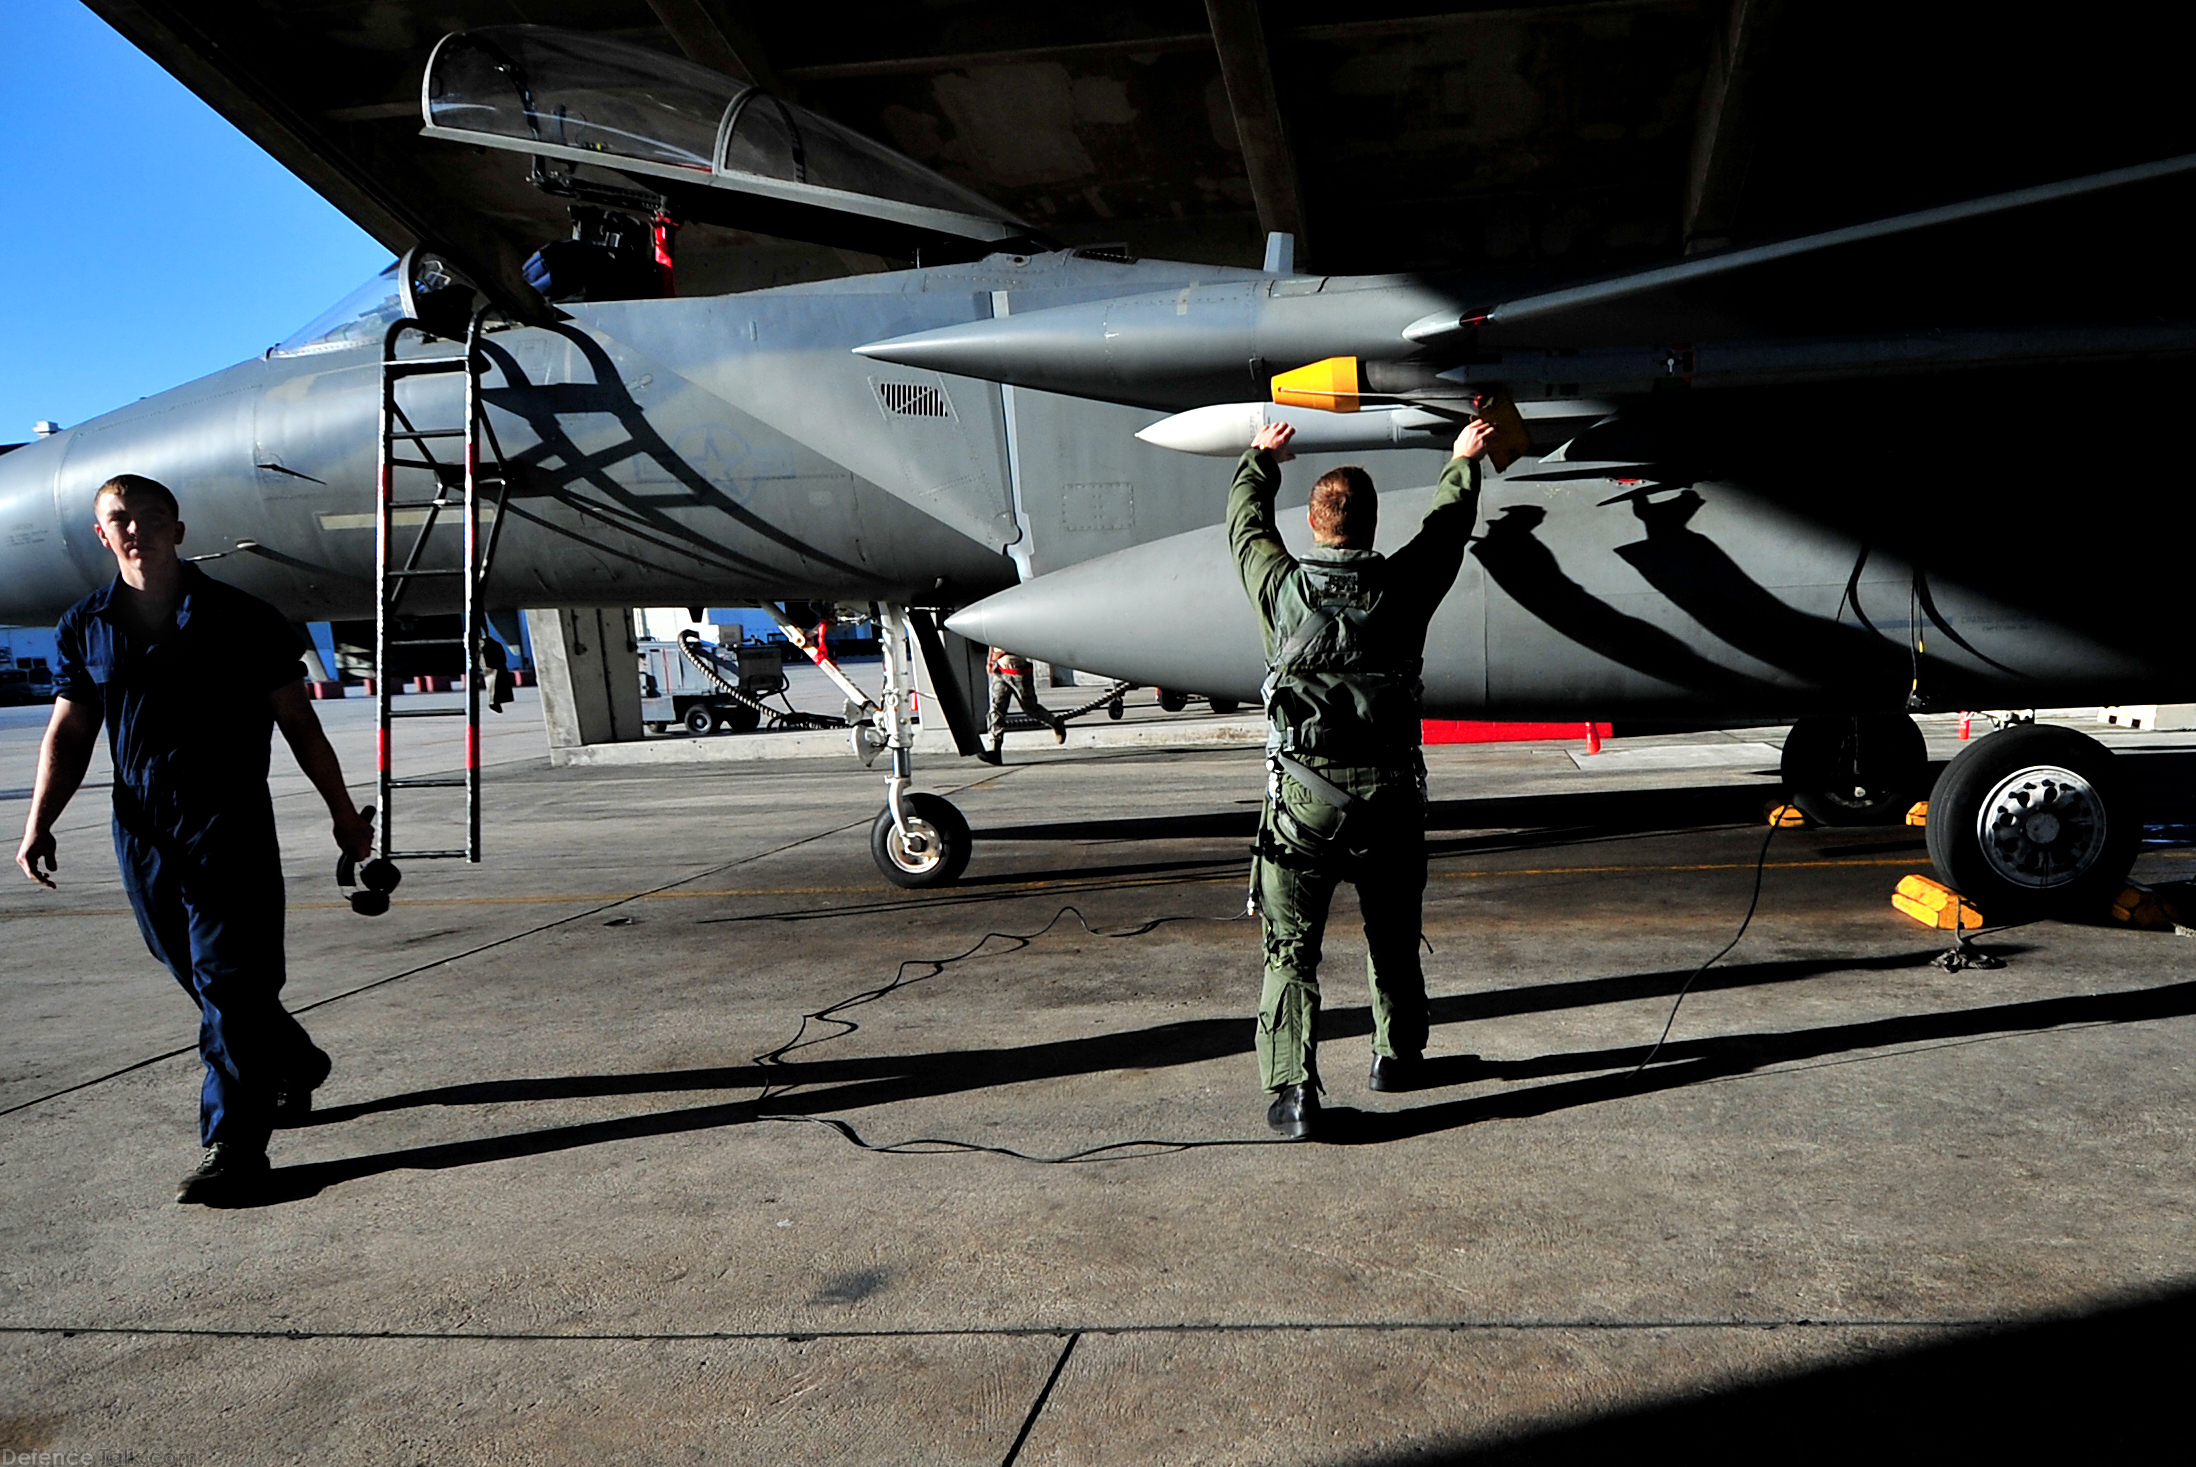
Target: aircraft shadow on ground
1603, 1074
1602, 812
2098, 1386
1521, 822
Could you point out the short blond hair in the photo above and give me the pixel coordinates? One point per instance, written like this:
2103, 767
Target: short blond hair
1344, 507
122, 486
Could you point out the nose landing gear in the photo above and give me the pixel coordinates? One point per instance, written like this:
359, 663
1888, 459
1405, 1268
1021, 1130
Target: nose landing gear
917, 840
927, 846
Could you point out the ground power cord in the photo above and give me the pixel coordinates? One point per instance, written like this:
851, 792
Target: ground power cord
925, 969
920, 970
1761, 864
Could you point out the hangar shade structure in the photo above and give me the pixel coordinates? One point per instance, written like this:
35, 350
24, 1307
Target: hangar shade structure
1540, 141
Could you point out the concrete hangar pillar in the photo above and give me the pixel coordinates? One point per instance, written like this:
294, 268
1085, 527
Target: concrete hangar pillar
590, 679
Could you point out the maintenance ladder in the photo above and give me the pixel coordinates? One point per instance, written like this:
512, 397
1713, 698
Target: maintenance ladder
395, 577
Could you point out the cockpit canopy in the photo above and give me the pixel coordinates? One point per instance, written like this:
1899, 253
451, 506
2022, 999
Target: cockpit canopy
586, 99
359, 319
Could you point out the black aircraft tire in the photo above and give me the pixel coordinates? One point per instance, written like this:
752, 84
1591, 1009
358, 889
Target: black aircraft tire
700, 719
742, 719
1867, 769
1224, 705
940, 866
2033, 820
1173, 702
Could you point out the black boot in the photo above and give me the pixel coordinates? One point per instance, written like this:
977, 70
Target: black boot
1394, 1072
1295, 1111
990, 755
293, 1103
224, 1175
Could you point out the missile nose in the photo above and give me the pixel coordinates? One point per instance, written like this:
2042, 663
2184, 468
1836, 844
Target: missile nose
1225, 428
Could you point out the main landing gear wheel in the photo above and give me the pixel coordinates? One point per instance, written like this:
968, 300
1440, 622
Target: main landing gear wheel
1867, 769
2033, 819
1224, 706
938, 852
700, 719
1173, 702
743, 719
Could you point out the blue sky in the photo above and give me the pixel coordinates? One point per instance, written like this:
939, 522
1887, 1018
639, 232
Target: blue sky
143, 240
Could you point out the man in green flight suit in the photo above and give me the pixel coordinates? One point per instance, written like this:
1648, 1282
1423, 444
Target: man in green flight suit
1345, 636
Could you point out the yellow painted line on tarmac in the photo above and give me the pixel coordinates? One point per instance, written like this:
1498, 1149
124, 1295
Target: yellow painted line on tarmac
1905, 860
535, 899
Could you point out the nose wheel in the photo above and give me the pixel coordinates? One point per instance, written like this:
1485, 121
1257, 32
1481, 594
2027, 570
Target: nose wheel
928, 846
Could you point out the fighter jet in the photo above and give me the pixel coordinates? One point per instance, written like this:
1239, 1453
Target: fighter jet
642, 448
1841, 478
1702, 518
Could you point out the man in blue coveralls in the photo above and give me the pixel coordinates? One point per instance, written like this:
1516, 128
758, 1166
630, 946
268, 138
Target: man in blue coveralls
191, 677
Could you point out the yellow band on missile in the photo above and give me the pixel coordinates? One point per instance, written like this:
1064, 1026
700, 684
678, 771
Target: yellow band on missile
1330, 386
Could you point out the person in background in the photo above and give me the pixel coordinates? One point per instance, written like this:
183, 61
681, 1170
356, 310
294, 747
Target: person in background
1011, 678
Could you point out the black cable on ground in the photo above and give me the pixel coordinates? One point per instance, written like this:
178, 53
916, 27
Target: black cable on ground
1761, 864
933, 967
900, 979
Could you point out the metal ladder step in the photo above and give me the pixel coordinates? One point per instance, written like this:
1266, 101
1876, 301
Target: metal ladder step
425, 366
458, 487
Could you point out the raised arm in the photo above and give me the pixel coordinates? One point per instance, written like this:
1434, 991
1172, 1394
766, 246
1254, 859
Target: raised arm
63, 756
293, 713
1428, 565
1261, 560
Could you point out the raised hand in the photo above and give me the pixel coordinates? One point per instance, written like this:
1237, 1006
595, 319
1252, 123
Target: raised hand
1472, 442
1274, 439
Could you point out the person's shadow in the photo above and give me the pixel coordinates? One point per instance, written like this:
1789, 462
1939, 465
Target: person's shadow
820, 1090
1528, 572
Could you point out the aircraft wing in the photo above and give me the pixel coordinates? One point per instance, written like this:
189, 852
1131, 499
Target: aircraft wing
1517, 145
2079, 250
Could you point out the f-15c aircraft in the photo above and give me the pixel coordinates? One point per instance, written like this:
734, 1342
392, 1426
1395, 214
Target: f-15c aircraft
1836, 477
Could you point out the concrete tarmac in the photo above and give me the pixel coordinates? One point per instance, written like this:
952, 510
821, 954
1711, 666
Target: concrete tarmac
672, 1130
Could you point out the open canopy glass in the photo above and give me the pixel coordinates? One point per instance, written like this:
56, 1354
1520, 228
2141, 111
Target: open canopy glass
590, 99
359, 319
